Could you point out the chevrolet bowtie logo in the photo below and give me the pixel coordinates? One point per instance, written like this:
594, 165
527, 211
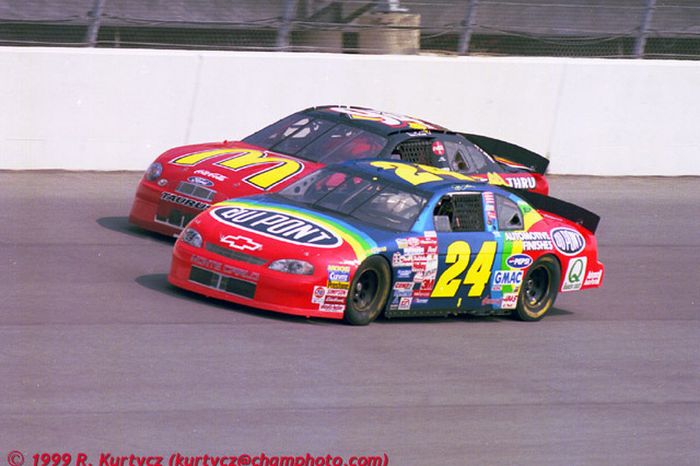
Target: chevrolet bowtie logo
241, 242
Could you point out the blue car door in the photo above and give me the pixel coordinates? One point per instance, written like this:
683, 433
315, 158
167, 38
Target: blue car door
468, 248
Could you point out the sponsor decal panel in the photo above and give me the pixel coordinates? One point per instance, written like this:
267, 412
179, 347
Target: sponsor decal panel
319, 294
284, 227
575, 272
403, 285
438, 148
509, 301
339, 277
493, 301
568, 241
324, 296
200, 181
420, 253
521, 182
212, 175
519, 261
337, 308
183, 201
490, 209
531, 241
593, 278
501, 278
405, 304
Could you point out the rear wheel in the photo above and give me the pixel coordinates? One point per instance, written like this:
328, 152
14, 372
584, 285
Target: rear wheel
369, 291
539, 289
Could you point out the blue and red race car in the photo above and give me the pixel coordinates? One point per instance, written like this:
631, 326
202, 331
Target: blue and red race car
357, 239
187, 180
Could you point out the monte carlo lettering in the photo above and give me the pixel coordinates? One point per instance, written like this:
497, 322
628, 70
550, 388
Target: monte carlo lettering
283, 227
569, 242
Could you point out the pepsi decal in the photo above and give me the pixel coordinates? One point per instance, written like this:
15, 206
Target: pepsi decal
283, 227
519, 261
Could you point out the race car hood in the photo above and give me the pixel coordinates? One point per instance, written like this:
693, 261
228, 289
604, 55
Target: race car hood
264, 229
230, 169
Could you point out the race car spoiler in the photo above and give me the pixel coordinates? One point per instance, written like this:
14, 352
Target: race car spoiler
572, 212
511, 152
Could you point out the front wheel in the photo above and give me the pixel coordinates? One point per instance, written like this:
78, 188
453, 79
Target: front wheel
539, 289
369, 291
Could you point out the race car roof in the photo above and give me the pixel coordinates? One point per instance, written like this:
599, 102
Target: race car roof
384, 123
407, 174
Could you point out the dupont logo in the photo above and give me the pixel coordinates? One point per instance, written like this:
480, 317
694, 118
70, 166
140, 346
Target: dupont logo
567, 241
272, 224
519, 261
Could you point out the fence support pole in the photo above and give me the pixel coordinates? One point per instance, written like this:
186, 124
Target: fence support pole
641, 42
468, 24
94, 27
286, 26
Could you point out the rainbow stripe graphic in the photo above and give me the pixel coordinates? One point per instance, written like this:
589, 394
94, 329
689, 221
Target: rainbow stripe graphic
361, 243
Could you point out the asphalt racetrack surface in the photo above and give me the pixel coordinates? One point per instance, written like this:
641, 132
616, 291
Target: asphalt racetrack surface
100, 354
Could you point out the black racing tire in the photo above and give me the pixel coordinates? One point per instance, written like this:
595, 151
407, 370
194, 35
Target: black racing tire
369, 291
539, 289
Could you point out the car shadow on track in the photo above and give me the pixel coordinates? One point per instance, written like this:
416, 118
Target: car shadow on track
122, 225
159, 282
466, 318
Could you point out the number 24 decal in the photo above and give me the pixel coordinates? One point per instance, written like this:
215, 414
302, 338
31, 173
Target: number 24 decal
458, 254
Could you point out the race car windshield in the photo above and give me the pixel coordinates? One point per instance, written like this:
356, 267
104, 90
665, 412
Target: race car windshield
318, 139
363, 198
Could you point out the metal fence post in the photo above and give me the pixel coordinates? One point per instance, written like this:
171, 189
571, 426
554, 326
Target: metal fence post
468, 24
286, 26
641, 42
94, 27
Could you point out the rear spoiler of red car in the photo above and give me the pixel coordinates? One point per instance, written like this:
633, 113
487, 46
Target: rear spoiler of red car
510, 152
567, 210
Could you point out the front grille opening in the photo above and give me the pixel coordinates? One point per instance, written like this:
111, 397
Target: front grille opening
222, 282
196, 191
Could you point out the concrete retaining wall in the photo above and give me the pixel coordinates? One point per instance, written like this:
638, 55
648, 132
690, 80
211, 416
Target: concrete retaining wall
110, 109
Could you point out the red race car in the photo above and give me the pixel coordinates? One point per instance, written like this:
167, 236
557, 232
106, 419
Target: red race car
187, 180
357, 239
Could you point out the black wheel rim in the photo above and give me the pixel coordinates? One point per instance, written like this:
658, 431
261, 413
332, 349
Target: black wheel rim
365, 290
536, 286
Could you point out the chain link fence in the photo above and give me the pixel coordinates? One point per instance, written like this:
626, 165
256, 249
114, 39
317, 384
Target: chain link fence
564, 28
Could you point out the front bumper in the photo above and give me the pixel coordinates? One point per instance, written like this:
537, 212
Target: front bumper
200, 271
150, 212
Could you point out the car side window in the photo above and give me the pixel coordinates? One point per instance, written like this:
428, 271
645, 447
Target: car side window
459, 213
509, 215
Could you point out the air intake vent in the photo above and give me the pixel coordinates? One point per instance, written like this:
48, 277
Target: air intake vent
195, 191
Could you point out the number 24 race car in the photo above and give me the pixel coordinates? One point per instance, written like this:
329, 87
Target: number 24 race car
187, 180
357, 239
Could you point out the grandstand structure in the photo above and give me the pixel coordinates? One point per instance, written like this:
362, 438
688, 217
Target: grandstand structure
567, 28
